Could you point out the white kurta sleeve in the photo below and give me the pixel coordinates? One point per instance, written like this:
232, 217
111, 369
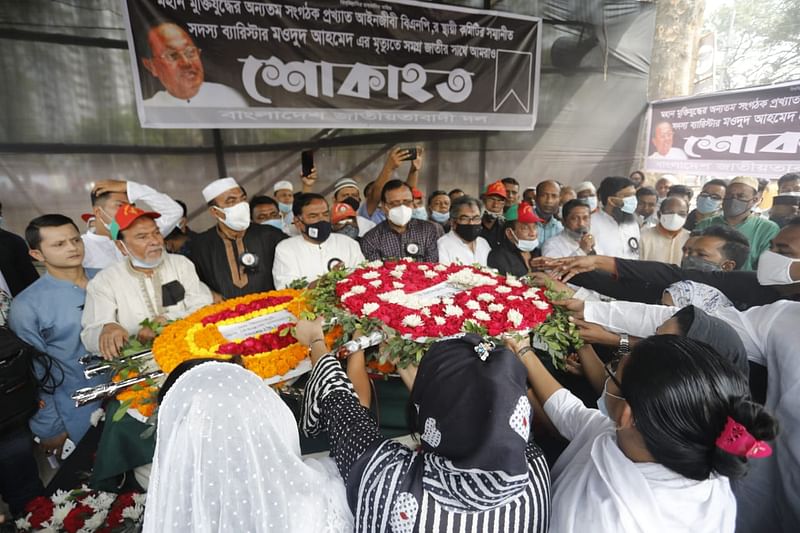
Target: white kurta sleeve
170, 211
637, 319
100, 309
284, 265
570, 416
356, 257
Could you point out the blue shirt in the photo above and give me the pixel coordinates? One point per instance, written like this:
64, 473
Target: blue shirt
377, 216
47, 315
548, 229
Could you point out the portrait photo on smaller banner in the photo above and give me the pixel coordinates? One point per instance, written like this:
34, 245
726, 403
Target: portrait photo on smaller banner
752, 131
332, 64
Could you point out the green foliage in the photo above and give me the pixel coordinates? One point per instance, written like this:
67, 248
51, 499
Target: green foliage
757, 42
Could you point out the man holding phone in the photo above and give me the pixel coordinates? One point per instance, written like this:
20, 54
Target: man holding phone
369, 209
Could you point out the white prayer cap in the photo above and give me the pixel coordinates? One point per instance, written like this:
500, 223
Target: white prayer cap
282, 185
217, 187
585, 186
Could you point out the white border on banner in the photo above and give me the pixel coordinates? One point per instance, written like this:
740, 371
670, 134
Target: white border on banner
534, 114
649, 163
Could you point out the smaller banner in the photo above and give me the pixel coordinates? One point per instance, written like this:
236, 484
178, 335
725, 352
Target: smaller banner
332, 64
754, 132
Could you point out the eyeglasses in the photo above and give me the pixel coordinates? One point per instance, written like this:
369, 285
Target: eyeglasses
466, 220
190, 53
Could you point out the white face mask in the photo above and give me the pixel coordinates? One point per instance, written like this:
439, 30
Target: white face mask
400, 215
773, 269
672, 222
420, 212
591, 201
141, 263
237, 217
526, 245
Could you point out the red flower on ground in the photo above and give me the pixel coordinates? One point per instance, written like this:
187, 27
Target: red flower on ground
41, 509
77, 517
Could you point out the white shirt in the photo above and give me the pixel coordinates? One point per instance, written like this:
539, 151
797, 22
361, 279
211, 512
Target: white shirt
655, 245
454, 250
209, 95
562, 245
116, 295
364, 225
597, 488
614, 239
297, 258
769, 496
674, 153
101, 252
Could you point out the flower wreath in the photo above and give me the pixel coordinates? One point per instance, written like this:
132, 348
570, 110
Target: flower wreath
417, 303
269, 354
84, 511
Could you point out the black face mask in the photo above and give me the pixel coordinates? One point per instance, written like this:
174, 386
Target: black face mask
468, 232
352, 202
692, 262
319, 231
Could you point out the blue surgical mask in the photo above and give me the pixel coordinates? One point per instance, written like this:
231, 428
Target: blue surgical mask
275, 223
629, 204
420, 213
591, 201
707, 205
441, 218
285, 208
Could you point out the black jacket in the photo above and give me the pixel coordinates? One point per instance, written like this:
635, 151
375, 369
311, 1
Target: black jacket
15, 263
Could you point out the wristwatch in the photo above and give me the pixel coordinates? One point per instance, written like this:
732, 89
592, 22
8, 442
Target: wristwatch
624, 344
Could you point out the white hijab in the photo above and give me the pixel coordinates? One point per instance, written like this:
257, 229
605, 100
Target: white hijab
227, 458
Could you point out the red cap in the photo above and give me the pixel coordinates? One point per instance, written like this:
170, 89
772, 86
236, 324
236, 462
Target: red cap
526, 214
127, 215
341, 212
86, 217
497, 188
416, 193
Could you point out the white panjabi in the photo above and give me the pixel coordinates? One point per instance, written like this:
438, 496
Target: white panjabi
228, 458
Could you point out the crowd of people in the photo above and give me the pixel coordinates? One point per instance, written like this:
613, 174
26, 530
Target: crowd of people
680, 412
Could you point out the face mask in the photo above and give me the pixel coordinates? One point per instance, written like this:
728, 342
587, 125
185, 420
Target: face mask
773, 269
629, 204
707, 205
441, 218
493, 216
419, 213
672, 222
141, 263
352, 202
591, 201
601, 401
103, 222
351, 230
400, 215
577, 234
733, 207
274, 222
237, 217
524, 245
692, 262
284, 208
319, 231
468, 232
781, 221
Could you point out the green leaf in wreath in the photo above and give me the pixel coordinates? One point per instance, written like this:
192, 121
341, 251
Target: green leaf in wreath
121, 410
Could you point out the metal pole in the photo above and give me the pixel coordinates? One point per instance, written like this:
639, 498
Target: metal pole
219, 152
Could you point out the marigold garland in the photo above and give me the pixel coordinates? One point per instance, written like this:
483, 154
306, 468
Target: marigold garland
198, 334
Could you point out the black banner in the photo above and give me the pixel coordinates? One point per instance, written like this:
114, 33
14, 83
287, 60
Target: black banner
754, 132
332, 64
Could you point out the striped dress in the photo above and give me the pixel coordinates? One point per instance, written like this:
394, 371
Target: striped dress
395, 489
